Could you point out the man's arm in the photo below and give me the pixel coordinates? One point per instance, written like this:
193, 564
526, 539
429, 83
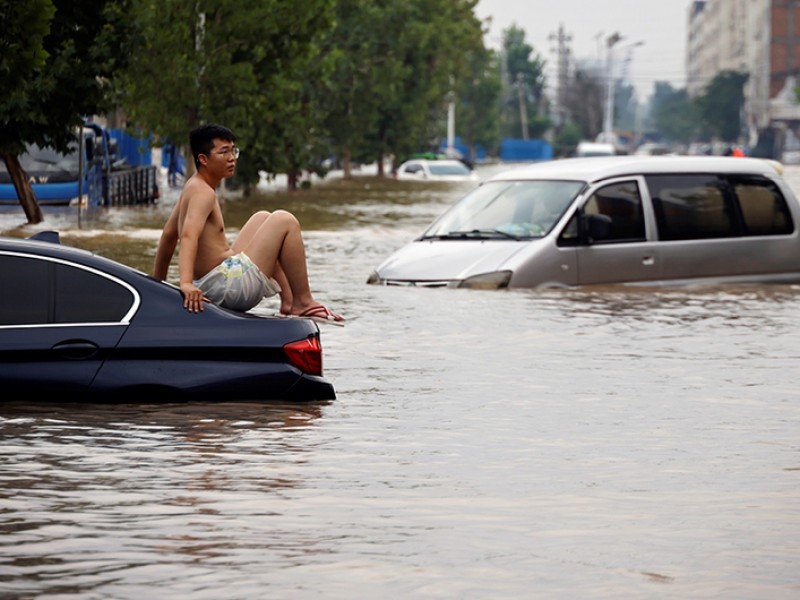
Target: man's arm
198, 212
166, 246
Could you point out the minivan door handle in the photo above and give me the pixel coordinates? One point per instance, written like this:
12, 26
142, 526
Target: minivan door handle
648, 261
76, 349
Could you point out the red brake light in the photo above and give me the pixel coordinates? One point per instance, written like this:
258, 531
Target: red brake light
306, 355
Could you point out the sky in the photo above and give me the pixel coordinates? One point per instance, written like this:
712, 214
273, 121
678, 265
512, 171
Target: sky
659, 24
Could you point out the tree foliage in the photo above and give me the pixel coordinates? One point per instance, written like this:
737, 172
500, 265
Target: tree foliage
715, 114
674, 115
585, 99
477, 107
524, 84
58, 58
25, 24
84, 46
720, 105
394, 64
243, 64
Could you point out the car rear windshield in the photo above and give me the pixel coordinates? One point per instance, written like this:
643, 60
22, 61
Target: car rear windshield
49, 292
448, 169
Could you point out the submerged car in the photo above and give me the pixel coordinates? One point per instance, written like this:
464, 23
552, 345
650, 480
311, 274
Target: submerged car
421, 169
623, 219
76, 326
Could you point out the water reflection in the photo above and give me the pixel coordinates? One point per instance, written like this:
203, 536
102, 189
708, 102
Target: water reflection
739, 305
94, 492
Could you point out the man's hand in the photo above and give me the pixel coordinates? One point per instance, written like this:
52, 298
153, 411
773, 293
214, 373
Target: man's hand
193, 297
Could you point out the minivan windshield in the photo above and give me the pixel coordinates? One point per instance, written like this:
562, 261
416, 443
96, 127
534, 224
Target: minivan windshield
506, 209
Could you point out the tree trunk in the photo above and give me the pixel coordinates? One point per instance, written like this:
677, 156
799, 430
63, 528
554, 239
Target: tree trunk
292, 177
190, 168
23, 187
381, 170
347, 165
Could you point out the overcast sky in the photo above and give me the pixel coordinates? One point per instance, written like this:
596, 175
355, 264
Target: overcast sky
660, 24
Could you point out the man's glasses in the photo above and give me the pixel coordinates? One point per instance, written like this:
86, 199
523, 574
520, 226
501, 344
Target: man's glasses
228, 152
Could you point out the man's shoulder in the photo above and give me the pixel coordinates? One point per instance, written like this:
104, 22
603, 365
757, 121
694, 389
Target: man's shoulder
197, 191
197, 185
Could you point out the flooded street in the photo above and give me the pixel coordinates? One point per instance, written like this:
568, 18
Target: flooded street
592, 443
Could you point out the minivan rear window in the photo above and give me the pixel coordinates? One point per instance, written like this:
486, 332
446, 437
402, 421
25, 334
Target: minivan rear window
691, 207
763, 207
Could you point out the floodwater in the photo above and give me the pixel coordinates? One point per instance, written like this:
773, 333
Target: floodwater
597, 443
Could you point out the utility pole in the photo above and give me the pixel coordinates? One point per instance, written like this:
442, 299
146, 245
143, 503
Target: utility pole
523, 105
562, 74
451, 120
608, 120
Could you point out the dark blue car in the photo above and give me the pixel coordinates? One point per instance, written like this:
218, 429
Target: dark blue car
75, 325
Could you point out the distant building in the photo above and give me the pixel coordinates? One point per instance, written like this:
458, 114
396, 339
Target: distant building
760, 38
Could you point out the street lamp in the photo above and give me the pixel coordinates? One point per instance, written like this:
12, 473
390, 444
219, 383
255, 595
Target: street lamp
608, 125
608, 118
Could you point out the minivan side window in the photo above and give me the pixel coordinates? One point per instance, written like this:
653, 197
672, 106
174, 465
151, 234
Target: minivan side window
689, 207
763, 207
619, 201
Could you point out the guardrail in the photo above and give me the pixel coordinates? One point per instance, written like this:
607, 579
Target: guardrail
131, 186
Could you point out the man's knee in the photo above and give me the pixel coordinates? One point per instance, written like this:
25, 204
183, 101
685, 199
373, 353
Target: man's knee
285, 217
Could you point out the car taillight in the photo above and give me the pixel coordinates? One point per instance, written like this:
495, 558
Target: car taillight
306, 355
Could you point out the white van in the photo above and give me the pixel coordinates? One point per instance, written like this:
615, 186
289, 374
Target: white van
622, 219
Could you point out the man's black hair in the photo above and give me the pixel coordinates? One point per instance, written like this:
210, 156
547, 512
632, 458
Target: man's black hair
201, 140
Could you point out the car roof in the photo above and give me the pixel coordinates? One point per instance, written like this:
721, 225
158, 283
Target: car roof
432, 161
603, 167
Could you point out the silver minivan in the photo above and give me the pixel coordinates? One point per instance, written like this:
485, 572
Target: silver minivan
622, 219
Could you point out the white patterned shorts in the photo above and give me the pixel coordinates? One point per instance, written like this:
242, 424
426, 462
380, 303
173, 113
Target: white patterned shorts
237, 283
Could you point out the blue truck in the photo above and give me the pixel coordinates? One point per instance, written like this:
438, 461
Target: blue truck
101, 178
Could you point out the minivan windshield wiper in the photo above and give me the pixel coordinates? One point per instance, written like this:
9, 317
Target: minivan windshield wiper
473, 234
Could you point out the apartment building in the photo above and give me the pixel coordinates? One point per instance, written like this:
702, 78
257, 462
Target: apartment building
762, 39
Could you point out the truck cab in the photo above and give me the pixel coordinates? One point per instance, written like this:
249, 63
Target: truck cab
90, 172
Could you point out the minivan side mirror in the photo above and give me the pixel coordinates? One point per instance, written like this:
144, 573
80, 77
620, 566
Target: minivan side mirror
597, 227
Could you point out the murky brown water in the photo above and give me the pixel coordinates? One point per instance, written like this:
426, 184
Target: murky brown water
598, 443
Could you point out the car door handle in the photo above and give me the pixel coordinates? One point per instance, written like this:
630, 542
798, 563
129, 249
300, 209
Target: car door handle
76, 349
648, 261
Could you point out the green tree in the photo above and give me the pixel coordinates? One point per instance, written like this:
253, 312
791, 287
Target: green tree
363, 67
57, 59
585, 101
524, 84
674, 115
243, 64
429, 51
720, 106
395, 64
567, 139
478, 94
626, 107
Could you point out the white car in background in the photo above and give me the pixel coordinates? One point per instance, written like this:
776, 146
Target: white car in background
422, 169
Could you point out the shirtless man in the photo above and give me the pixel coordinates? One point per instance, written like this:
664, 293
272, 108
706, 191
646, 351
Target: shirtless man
267, 257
